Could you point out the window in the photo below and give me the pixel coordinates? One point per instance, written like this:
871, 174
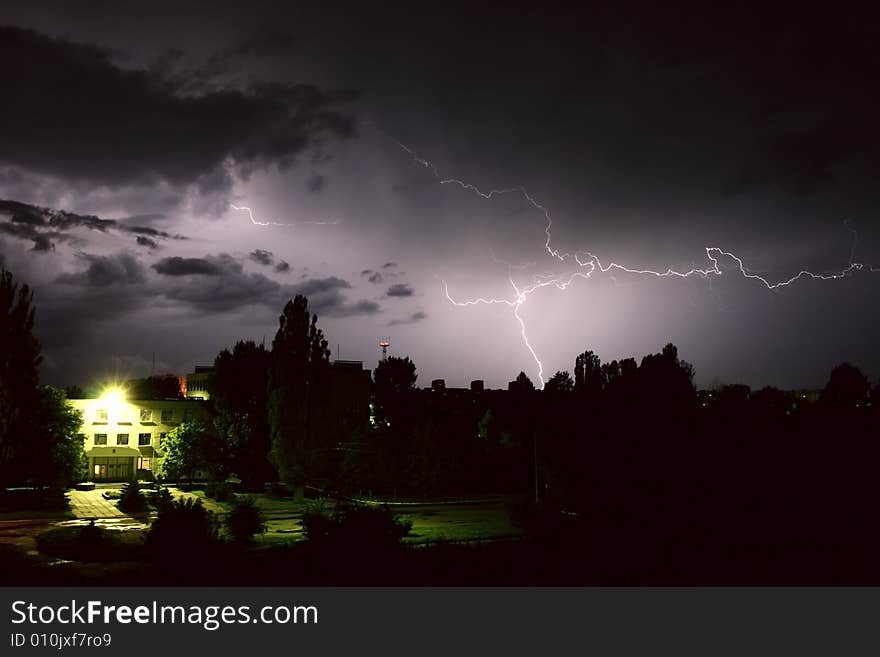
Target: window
145, 464
100, 438
146, 415
167, 415
122, 439
101, 416
123, 416
162, 438
144, 438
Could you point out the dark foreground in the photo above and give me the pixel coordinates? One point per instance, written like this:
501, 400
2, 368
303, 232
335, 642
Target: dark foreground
565, 559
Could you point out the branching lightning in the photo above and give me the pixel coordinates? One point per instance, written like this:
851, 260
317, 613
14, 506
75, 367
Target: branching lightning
587, 263
250, 213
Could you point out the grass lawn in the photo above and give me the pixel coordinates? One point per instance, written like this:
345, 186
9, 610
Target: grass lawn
105, 546
459, 523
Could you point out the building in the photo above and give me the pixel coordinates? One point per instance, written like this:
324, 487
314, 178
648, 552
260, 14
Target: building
350, 390
123, 437
195, 384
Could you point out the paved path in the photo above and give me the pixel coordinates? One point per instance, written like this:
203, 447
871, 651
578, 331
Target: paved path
90, 504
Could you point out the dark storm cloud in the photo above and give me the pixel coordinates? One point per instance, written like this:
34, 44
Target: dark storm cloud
208, 266
265, 42
262, 257
282, 267
120, 269
372, 276
147, 242
220, 284
224, 291
316, 183
414, 318
362, 307
45, 226
322, 285
147, 230
797, 161
400, 290
121, 127
43, 243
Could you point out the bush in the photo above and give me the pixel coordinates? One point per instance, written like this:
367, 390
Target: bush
184, 526
350, 525
160, 497
33, 499
245, 520
132, 499
220, 491
91, 544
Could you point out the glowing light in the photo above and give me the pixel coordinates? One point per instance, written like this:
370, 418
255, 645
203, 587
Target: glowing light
113, 399
250, 213
587, 263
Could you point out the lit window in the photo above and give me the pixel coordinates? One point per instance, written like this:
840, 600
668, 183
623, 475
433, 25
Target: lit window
144, 438
146, 415
144, 464
101, 415
100, 438
122, 439
167, 415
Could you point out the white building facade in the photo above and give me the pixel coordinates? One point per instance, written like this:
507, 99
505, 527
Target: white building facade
123, 437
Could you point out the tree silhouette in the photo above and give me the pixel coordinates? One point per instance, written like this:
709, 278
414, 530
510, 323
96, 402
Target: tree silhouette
239, 394
846, 386
522, 383
588, 373
559, 382
300, 359
394, 376
19, 360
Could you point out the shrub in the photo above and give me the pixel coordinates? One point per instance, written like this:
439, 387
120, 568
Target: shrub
220, 491
160, 497
33, 499
245, 520
91, 544
354, 525
184, 526
132, 499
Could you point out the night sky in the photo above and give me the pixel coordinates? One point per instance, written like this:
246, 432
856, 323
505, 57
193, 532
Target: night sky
129, 130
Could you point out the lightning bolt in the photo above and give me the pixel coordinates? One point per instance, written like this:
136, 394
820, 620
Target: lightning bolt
588, 263
250, 213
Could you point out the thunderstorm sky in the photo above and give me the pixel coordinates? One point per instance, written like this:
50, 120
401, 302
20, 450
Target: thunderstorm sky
129, 131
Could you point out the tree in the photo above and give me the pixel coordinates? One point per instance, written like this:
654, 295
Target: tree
19, 360
846, 386
522, 383
665, 379
393, 377
239, 395
588, 373
188, 447
244, 520
559, 382
297, 387
56, 455
165, 386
